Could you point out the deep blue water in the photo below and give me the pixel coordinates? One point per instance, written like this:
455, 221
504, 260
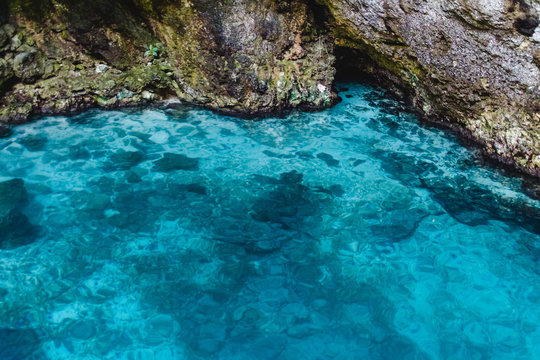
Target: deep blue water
352, 233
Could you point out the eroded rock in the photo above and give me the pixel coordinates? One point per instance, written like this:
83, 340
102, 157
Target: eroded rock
464, 64
247, 56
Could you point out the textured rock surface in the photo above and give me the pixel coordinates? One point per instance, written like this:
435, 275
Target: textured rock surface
467, 63
471, 65
238, 56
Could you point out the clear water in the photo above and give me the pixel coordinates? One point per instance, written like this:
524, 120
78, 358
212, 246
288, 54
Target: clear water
352, 233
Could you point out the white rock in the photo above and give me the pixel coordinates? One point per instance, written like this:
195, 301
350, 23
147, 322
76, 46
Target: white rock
101, 68
147, 95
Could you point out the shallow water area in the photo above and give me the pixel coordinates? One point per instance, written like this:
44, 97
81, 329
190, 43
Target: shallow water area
350, 233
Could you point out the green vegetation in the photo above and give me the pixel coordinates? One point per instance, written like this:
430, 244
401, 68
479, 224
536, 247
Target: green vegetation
155, 51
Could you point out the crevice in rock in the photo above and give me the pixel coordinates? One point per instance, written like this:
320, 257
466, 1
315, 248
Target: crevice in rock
527, 20
8, 85
527, 25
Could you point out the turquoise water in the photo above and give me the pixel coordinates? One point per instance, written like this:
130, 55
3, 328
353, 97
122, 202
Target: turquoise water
352, 233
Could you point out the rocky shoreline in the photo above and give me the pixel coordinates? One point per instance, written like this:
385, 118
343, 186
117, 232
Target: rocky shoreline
473, 68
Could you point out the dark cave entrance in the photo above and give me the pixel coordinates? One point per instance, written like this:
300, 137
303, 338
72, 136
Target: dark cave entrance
355, 65
352, 65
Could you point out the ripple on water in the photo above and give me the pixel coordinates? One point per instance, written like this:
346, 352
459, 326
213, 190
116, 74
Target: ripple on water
345, 234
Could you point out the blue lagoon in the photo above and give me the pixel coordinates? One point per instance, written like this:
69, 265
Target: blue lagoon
351, 233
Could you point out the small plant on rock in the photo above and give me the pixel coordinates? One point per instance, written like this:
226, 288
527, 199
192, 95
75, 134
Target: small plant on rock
154, 50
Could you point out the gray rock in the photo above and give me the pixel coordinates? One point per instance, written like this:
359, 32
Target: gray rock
467, 63
124, 94
16, 42
147, 95
28, 66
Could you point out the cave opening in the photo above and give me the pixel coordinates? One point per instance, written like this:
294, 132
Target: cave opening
352, 65
355, 65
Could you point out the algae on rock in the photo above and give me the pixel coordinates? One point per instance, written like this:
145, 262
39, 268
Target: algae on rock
243, 57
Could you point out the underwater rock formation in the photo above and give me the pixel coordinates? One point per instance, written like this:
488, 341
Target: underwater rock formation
469, 65
14, 225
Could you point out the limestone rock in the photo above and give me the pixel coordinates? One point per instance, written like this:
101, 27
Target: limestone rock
467, 64
247, 56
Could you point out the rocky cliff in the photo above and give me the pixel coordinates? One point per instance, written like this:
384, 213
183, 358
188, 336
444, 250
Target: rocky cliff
471, 65
238, 56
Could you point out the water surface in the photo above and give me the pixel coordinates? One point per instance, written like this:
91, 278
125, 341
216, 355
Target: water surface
352, 233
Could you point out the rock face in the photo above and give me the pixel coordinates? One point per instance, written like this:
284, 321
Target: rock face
237, 56
471, 65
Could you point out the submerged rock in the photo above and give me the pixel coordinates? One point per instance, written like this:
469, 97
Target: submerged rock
191, 188
13, 196
328, 159
474, 205
5, 131
15, 229
125, 160
20, 344
34, 142
171, 162
254, 237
